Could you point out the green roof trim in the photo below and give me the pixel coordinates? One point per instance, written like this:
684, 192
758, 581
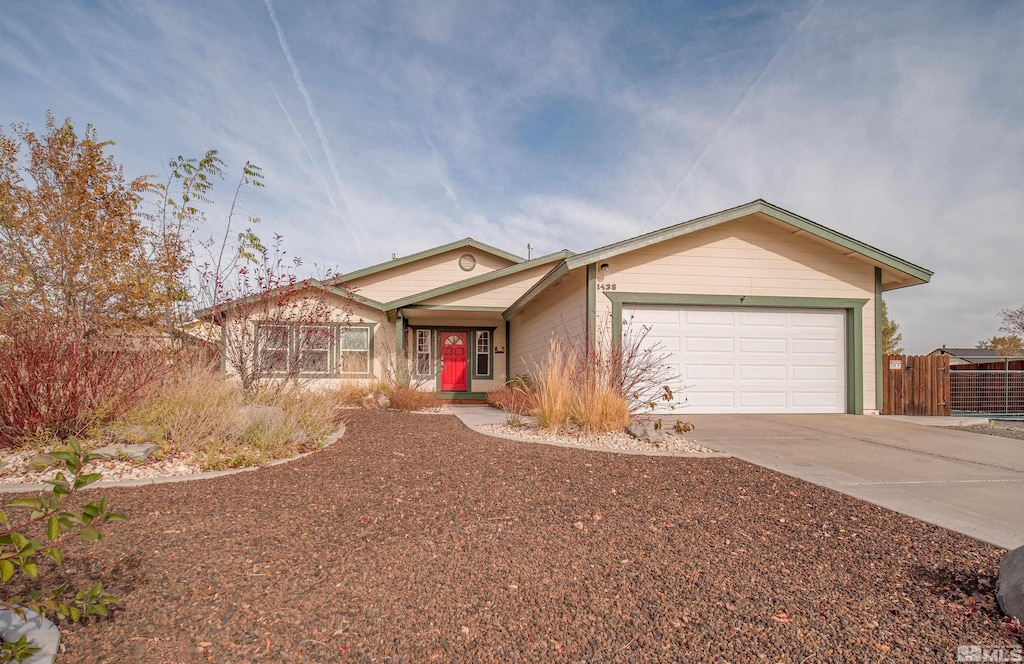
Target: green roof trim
550, 278
426, 253
355, 297
298, 288
452, 307
759, 206
479, 279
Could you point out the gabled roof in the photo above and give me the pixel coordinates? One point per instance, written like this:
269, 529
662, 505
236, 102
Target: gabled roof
427, 253
225, 307
479, 279
548, 279
759, 206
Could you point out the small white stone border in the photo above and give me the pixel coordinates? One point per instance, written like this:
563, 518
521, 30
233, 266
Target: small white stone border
171, 479
479, 428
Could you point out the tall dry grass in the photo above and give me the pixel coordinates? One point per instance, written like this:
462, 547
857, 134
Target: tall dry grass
202, 414
574, 395
554, 385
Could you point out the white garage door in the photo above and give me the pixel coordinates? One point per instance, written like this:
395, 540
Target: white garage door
747, 360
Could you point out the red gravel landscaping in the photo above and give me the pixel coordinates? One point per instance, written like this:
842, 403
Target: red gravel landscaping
414, 539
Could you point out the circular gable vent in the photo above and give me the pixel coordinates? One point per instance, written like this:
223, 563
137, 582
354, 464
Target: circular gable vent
467, 262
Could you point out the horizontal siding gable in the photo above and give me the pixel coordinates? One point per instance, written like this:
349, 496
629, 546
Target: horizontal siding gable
425, 274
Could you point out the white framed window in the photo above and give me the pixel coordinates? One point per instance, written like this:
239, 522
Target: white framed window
313, 347
424, 353
274, 346
354, 348
483, 353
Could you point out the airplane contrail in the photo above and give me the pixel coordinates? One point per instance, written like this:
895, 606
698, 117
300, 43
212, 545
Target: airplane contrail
725, 121
309, 153
442, 171
310, 108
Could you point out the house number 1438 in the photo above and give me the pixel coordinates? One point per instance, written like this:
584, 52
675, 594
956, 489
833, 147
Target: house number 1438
606, 287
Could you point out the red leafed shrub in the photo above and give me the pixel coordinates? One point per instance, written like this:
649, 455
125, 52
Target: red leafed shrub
512, 399
56, 379
409, 399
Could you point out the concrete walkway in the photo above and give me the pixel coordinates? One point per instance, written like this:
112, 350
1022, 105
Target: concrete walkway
971, 483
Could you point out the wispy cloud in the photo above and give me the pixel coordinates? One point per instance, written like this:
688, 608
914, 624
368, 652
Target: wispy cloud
441, 169
417, 123
313, 116
731, 114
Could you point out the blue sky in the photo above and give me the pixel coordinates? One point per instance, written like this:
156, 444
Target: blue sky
391, 127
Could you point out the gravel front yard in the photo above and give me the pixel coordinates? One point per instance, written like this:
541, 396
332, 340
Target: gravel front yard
1005, 428
414, 539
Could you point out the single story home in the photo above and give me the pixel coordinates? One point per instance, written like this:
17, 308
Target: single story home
756, 308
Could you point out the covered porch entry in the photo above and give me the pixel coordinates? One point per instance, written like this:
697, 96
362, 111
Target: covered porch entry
458, 352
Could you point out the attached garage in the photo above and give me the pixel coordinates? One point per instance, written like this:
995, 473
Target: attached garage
760, 310
750, 360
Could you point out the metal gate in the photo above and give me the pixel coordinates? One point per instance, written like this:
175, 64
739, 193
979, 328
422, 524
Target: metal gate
992, 388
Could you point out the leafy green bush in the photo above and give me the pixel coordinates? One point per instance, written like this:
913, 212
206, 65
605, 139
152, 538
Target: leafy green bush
26, 542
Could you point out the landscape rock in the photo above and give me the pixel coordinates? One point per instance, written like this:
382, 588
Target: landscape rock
135, 452
1010, 586
130, 434
41, 462
375, 401
645, 430
269, 417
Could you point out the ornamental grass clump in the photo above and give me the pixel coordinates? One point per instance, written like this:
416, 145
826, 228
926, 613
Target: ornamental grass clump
554, 384
207, 416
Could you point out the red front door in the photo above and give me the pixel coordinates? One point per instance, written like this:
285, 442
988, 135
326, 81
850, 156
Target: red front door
453, 361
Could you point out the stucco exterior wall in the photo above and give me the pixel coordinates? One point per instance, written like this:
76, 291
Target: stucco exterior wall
425, 274
560, 310
752, 256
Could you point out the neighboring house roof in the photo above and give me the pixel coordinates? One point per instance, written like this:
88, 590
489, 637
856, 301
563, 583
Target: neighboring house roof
969, 354
477, 280
427, 253
914, 273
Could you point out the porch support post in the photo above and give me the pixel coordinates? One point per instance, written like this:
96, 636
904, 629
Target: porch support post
400, 364
508, 351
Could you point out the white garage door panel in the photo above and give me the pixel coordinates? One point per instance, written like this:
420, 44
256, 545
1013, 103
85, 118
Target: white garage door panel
749, 360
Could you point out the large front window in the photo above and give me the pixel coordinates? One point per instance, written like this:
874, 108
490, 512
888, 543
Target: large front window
274, 347
355, 350
314, 344
313, 348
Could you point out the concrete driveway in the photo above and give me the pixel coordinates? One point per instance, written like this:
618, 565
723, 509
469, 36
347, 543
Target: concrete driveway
967, 482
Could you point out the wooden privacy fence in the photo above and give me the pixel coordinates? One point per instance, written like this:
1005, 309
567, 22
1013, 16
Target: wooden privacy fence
915, 385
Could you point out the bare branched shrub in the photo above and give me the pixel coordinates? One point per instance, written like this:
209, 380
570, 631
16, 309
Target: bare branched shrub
634, 366
599, 387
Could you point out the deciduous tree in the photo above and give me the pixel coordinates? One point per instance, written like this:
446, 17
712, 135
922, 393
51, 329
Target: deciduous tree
1013, 322
891, 335
1008, 345
71, 245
